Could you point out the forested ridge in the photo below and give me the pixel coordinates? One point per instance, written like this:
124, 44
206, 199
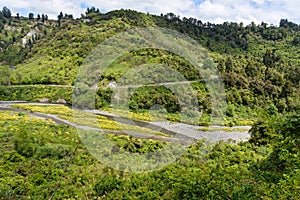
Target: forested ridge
258, 63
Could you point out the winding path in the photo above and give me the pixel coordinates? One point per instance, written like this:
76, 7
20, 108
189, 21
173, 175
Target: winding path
6, 107
44, 85
180, 132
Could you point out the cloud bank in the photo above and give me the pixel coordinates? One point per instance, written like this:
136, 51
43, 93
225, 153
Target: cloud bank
216, 11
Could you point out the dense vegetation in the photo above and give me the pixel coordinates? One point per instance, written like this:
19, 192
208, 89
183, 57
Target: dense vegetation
259, 65
39, 157
17, 35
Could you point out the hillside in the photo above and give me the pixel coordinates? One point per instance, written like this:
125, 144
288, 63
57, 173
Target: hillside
259, 64
51, 151
41, 160
18, 35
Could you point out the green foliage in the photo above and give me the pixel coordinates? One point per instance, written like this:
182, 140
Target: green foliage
227, 172
259, 65
35, 151
261, 133
283, 135
252, 68
230, 112
272, 110
6, 12
5, 75
36, 93
104, 97
286, 152
17, 37
148, 97
107, 184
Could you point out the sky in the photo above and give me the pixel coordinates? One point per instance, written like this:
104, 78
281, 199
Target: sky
215, 11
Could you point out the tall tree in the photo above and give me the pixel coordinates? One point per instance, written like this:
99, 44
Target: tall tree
43, 18
60, 16
5, 75
269, 58
6, 12
31, 15
2, 20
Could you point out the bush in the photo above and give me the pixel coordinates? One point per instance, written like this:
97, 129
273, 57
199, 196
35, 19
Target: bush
272, 110
261, 133
57, 151
230, 110
107, 184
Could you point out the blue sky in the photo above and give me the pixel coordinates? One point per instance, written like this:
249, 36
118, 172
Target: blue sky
216, 11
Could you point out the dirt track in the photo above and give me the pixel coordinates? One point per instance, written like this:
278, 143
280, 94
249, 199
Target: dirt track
179, 132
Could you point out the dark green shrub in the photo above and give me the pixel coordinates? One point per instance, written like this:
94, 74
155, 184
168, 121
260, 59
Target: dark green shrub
107, 184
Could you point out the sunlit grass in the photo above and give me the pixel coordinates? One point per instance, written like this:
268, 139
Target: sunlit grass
84, 118
225, 129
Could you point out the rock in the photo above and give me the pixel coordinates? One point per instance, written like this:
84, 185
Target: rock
61, 101
44, 100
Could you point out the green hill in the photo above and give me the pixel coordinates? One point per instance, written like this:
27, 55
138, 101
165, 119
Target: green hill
40, 159
259, 64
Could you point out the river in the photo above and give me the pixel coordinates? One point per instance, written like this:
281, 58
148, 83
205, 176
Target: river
179, 132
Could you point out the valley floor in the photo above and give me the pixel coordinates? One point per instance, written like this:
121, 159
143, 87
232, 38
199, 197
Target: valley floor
179, 132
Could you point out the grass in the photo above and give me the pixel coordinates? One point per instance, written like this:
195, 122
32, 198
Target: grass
85, 118
225, 129
35, 151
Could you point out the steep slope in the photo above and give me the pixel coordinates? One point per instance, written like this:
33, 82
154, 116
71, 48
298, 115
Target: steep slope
58, 56
17, 36
259, 64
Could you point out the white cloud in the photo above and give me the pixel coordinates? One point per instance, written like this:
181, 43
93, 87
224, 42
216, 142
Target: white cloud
50, 7
240, 10
217, 11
